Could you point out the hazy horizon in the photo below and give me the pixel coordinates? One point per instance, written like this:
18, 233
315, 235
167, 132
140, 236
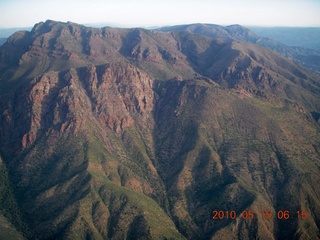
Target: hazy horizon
142, 13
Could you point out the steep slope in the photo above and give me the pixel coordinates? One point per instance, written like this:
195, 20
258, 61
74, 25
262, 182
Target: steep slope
87, 132
251, 68
220, 150
136, 134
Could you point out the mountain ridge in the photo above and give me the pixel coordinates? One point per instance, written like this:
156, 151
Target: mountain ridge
305, 56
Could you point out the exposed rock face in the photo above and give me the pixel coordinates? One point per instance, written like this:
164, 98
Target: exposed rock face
129, 133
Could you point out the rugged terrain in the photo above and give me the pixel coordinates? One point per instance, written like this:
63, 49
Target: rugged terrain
305, 52
138, 134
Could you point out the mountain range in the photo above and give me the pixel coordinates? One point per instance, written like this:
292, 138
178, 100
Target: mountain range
110, 133
306, 37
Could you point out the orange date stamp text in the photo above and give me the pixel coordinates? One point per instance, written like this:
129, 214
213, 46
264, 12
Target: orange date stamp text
265, 214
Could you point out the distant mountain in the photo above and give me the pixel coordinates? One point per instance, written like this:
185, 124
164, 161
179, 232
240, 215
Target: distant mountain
309, 58
305, 37
6, 32
109, 133
2, 41
229, 33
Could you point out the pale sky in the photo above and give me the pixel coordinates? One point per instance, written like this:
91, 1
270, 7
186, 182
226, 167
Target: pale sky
147, 13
